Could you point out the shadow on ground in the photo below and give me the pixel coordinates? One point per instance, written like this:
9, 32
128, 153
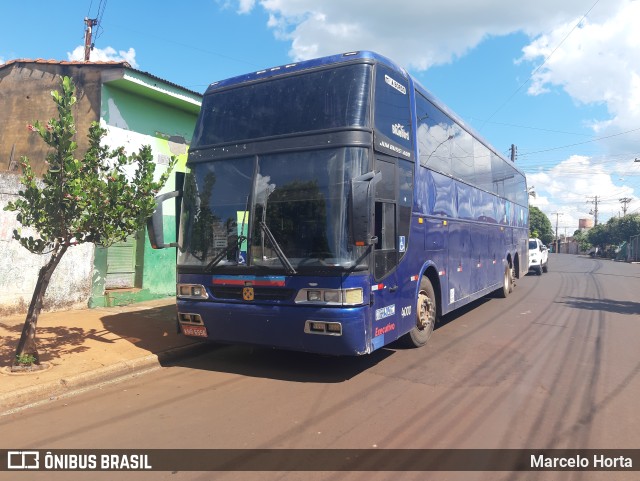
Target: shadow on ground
142, 328
282, 365
606, 305
52, 342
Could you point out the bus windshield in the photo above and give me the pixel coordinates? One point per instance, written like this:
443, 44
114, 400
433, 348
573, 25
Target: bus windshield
320, 100
284, 211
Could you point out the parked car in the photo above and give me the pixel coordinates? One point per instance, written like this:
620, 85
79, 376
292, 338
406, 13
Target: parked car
538, 256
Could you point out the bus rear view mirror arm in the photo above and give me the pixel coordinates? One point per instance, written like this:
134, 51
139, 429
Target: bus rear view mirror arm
154, 224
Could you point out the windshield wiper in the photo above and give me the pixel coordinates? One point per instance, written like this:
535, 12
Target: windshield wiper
276, 247
223, 253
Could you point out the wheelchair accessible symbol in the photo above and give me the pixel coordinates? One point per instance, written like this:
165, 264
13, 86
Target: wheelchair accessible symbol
401, 243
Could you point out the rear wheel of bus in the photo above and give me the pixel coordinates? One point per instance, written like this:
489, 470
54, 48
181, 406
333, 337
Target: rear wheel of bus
507, 282
426, 315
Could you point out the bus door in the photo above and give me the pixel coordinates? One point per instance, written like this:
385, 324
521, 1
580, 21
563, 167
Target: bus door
460, 264
461, 260
391, 296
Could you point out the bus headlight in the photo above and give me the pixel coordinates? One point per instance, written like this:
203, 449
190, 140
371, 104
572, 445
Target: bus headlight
353, 297
314, 296
330, 297
192, 291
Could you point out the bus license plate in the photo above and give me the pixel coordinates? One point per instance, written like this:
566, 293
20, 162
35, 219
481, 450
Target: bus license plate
196, 331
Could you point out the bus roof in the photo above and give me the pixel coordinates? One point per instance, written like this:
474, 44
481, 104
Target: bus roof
345, 58
304, 65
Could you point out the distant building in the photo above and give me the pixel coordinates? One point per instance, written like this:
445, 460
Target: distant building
585, 224
136, 108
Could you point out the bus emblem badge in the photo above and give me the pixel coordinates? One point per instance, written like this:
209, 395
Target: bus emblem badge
247, 293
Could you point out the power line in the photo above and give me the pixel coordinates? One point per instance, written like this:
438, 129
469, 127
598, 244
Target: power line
166, 39
101, 8
530, 127
581, 143
541, 65
91, 35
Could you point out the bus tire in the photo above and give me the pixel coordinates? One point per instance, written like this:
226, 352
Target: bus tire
426, 316
507, 282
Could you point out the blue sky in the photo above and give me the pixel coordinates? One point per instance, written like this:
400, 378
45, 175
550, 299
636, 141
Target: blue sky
561, 80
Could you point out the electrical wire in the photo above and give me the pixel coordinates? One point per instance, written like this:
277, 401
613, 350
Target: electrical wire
101, 8
579, 143
540, 66
553, 131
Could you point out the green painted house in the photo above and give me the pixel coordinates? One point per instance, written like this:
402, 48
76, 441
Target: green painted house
136, 108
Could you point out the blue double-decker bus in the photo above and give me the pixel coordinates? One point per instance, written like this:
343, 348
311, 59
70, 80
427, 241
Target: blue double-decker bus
335, 206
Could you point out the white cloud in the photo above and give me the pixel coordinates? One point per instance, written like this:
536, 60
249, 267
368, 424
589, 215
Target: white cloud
571, 186
596, 63
245, 6
599, 62
415, 33
108, 54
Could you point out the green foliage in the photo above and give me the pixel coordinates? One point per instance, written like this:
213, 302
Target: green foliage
599, 236
25, 360
101, 198
540, 225
616, 231
622, 228
583, 240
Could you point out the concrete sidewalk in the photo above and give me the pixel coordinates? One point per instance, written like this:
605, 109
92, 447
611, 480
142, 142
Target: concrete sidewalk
89, 346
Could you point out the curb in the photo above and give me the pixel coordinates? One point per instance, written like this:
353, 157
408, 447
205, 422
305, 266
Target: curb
53, 389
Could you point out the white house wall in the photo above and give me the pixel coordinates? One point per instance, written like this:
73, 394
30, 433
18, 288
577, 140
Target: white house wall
70, 285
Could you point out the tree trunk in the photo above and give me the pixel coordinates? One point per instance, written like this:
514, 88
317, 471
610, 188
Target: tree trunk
27, 344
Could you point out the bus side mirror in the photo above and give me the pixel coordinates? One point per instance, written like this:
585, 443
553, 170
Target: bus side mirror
361, 208
154, 223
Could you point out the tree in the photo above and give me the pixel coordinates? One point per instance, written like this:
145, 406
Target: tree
582, 239
102, 199
599, 236
622, 228
616, 231
540, 225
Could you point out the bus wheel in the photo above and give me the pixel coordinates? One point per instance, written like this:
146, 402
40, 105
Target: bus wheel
507, 282
426, 315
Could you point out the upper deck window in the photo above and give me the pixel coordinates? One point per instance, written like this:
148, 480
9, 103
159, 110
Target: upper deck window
392, 110
326, 99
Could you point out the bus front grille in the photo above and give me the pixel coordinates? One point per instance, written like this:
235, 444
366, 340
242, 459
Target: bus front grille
260, 293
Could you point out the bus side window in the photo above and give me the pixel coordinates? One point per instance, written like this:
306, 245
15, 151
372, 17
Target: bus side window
385, 226
386, 256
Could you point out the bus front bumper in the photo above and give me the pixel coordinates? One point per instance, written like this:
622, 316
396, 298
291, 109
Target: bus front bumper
323, 330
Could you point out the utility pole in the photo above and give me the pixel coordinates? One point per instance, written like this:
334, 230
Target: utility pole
594, 212
514, 153
625, 201
557, 242
88, 34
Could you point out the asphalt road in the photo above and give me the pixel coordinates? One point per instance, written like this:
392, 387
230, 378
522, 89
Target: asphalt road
555, 365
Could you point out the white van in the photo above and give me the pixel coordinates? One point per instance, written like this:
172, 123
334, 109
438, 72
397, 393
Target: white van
538, 256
